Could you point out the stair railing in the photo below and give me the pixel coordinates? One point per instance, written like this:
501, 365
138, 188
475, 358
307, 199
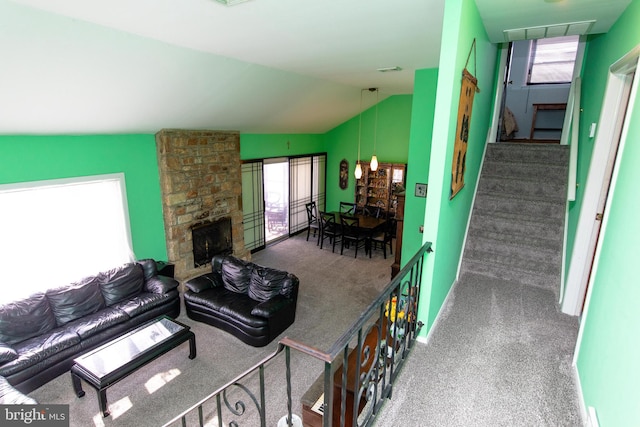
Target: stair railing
571, 130
360, 368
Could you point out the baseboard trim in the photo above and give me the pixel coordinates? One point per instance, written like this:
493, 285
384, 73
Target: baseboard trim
584, 413
425, 340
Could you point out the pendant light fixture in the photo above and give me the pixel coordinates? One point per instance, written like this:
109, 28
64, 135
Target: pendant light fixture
374, 159
358, 171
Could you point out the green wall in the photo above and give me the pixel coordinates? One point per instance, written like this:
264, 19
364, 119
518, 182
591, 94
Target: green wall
261, 146
609, 349
34, 158
423, 109
446, 220
394, 126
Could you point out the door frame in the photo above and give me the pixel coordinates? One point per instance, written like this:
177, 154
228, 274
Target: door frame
610, 139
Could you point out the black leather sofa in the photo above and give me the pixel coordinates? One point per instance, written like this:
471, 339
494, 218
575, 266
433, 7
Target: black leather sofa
41, 335
254, 303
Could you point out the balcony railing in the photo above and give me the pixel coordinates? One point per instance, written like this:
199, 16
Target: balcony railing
360, 368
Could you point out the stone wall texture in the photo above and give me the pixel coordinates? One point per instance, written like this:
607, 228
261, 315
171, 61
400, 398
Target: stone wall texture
201, 181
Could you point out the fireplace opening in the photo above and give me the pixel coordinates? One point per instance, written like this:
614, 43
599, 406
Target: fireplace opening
209, 239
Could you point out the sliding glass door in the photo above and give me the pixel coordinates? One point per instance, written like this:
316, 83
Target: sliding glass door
274, 195
276, 189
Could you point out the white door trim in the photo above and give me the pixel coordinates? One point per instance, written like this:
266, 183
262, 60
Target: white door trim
605, 147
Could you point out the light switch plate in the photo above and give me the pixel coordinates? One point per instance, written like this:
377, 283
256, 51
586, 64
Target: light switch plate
421, 190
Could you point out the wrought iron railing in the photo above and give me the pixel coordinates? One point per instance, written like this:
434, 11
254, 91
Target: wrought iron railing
360, 368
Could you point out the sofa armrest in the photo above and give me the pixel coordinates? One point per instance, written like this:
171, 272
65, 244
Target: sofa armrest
160, 284
272, 306
11, 396
204, 282
7, 353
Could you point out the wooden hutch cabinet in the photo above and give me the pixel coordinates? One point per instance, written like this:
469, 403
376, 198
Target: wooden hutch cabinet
379, 188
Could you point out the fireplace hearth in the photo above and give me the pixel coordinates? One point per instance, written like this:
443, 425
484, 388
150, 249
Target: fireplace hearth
209, 239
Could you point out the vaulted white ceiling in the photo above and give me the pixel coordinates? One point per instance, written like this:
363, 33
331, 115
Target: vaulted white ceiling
267, 66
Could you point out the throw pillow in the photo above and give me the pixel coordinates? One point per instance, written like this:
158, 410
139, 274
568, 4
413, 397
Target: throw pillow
266, 283
236, 275
25, 319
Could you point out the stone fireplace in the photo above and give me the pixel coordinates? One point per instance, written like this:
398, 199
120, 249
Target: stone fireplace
201, 184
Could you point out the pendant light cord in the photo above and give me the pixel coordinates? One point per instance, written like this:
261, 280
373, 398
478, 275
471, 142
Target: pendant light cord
375, 130
360, 127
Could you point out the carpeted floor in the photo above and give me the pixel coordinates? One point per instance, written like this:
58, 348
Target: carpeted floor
334, 289
500, 355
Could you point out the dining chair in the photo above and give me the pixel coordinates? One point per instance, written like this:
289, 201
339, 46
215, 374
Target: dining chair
329, 229
351, 233
347, 208
383, 238
372, 211
313, 222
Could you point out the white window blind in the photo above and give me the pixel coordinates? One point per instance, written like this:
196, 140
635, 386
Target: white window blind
56, 232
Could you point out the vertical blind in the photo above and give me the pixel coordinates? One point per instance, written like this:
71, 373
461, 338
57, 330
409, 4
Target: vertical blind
253, 205
300, 192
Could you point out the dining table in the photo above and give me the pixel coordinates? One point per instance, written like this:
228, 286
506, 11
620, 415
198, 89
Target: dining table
365, 222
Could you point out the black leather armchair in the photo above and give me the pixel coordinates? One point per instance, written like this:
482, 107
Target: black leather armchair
254, 303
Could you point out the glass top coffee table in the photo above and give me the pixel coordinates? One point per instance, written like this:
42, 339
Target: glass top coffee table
113, 361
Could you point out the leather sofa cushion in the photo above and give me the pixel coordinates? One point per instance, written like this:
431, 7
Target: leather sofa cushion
7, 353
23, 319
272, 306
142, 303
265, 283
229, 304
76, 300
121, 283
236, 274
37, 349
97, 322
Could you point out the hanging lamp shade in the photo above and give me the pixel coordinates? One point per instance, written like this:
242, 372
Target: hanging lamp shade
358, 172
374, 163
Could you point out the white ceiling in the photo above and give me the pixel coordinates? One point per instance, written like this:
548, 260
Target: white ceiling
264, 66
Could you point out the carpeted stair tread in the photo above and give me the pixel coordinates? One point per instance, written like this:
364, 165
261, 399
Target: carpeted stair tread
516, 224
516, 230
517, 170
551, 154
524, 187
528, 206
484, 240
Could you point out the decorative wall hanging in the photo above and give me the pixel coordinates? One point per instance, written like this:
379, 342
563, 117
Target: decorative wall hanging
467, 93
344, 174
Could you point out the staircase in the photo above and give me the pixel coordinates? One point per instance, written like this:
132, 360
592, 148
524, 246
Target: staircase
517, 225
